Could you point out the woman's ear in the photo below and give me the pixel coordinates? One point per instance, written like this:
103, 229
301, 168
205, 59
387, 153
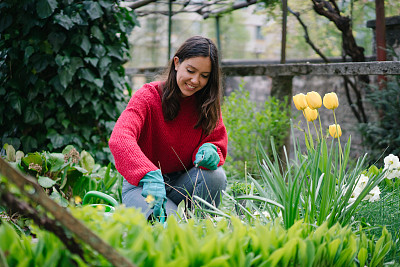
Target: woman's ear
176, 62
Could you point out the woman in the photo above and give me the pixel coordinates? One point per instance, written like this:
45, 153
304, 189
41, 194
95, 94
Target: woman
170, 141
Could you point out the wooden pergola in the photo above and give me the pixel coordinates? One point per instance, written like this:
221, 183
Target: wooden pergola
217, 8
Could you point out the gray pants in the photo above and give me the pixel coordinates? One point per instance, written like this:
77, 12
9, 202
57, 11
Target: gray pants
180, 186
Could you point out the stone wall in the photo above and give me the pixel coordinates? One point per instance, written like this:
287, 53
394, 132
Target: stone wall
260, 90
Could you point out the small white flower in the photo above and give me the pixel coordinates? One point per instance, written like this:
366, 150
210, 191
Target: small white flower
391, 162
373, 194
362, 181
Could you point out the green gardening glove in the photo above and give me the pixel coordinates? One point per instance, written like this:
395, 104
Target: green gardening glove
153, 186
207, 157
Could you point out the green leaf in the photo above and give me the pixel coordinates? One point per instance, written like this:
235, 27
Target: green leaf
15, 102
32, 115
56, 196
62, 60
46, 182
5, 21
93, 9
87, 161
87, 75
97, 33
56, 39
45, 8
56, 139
29, 51
92, 60
64, 20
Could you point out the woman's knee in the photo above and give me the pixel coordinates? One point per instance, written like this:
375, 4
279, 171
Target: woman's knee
216, 179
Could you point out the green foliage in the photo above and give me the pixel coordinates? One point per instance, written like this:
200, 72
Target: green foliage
61, 73
315, 186
70, 174
246, 123
206, 243
383, 133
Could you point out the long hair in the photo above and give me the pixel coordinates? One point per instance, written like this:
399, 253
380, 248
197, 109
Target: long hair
208, 99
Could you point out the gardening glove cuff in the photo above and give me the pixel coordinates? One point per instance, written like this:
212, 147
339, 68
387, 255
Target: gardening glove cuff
207, 156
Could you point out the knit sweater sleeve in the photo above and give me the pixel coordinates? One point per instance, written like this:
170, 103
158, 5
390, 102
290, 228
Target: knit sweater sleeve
218, 137
130, 161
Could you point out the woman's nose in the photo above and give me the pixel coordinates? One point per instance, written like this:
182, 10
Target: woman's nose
195, 79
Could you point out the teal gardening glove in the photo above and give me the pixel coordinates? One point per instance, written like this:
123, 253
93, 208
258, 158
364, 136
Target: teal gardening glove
153, 184
207, 157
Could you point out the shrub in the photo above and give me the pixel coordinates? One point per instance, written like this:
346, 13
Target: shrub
383, 134
61, 73
245, 123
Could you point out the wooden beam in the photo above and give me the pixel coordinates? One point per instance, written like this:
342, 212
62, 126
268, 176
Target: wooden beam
30, 188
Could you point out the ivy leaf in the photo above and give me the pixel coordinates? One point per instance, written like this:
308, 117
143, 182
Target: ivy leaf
63, 20
56, 39
92, 60
96, 32
45, 8
32, 115
65, 76
87, 75
62, 60
93, 9
46, 182
15, 102
104, 62
72, 96
56, 139
5, 22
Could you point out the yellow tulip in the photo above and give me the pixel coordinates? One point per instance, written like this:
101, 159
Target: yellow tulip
300, 101
314, 100
310, 114
332, 130
331, 101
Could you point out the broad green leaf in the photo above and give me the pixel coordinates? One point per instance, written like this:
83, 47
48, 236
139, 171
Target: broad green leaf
56, 196
93, 9
56, 139
87, 161
87, 75
56, 160
362, 256
45, 8
64, 20
96, 32
5, 21
46, 182
92, 60
15, 102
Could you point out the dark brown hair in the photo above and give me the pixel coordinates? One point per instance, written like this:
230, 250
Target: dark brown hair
208, 99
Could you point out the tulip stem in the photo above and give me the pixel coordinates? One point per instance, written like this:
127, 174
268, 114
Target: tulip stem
316, 131
309, 132
320, 127
337, 134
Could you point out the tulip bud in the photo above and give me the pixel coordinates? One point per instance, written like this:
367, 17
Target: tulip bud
332, 130
314, 100
310, 114
331, 101
300, 101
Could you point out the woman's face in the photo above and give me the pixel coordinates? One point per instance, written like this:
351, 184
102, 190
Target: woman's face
192, 74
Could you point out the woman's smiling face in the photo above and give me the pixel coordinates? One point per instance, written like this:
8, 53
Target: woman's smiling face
192, 74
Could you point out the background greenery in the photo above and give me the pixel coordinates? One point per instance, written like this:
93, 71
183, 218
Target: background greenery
246, 123
61, 73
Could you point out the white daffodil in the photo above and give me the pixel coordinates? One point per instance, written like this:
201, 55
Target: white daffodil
373, 194
392, 166
362, 181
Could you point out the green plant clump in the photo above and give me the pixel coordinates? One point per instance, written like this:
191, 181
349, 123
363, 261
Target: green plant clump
204, 244
246, 123
61, 73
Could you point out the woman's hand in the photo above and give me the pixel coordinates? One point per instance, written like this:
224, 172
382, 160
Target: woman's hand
153, 186
207, 157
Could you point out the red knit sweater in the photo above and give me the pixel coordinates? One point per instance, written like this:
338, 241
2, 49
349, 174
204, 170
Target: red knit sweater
142, 141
